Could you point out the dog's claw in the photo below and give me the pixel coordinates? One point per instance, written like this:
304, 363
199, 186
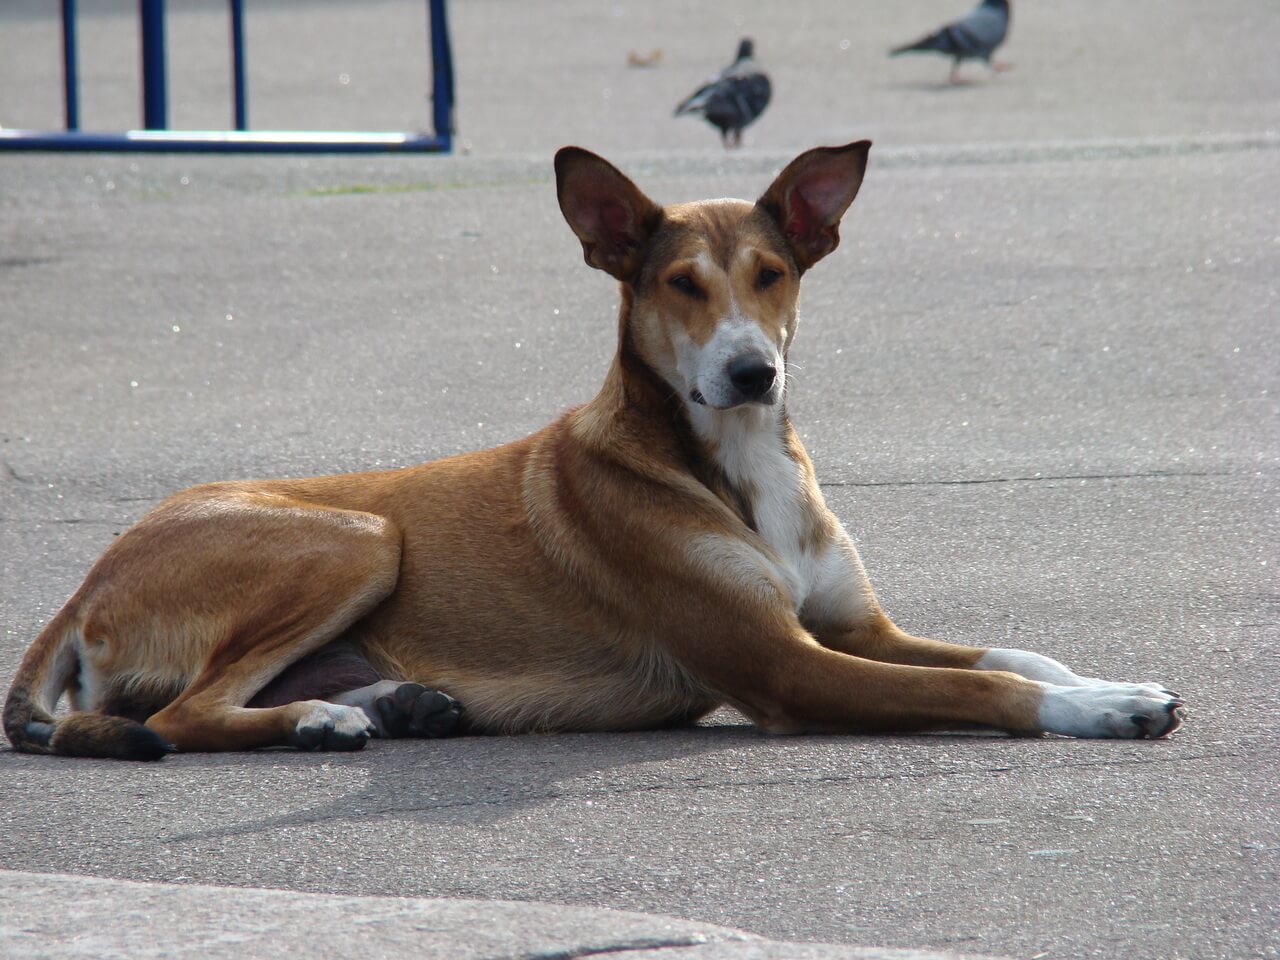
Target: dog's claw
1146, 729
309, 737
1176, 712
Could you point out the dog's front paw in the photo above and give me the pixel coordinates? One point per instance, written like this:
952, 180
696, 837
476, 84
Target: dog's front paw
415, 711
331, 726
1129, 711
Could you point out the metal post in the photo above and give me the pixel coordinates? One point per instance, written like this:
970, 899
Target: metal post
154, 106
70, 74
237, 64
441, 73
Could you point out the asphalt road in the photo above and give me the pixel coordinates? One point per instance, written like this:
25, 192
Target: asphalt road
1038, 380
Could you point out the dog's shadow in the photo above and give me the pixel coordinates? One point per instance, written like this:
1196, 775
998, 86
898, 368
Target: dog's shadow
479, 780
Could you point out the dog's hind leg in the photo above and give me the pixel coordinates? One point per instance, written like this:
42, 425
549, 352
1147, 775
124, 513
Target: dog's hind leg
340, 674
323, 675
196, 608
280, 579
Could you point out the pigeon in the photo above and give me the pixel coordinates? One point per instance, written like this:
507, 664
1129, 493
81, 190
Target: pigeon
734, 98
974, 36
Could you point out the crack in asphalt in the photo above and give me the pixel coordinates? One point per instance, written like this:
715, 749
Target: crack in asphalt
34, 521
631, 946
1035, 478
1013, 152
1048, 151
6, 469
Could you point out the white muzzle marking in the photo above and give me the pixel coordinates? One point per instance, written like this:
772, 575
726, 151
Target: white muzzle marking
738, 364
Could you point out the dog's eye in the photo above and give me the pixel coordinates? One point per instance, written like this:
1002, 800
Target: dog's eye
684, 283
768, 277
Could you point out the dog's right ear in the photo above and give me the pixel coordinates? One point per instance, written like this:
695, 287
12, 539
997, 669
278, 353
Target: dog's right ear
610, 215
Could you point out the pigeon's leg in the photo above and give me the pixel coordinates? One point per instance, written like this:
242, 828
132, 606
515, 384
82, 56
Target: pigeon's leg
737, 138
1000, 66
955, 72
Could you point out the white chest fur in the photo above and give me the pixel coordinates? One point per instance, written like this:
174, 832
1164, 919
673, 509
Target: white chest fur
750, 447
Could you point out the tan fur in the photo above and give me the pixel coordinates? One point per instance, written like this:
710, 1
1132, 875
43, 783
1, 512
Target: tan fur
604, 573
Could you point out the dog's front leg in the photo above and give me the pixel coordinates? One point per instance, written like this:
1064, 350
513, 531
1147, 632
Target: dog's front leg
843, 615
787, 682
1071, 705
874, 636
1035, 666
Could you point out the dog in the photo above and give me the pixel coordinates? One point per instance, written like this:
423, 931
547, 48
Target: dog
655, 553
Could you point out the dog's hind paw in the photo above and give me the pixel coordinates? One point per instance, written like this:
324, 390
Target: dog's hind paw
413, 710
331, 726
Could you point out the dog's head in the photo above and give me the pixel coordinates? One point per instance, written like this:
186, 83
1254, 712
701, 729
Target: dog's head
712, 286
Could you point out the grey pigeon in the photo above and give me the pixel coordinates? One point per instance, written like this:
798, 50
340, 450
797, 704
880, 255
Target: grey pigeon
734, 98
974, 36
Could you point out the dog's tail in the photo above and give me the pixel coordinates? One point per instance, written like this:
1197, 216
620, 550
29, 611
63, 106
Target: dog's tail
49, 667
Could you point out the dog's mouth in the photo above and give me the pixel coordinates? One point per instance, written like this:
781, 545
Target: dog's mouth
696, 396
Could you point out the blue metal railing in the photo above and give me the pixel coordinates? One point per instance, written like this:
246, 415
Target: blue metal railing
237, 64
70, 79
156, 137
155, 99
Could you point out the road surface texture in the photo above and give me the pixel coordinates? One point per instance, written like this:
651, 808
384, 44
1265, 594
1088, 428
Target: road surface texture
1038, 380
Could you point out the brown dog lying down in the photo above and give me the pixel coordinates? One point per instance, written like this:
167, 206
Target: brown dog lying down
654, 553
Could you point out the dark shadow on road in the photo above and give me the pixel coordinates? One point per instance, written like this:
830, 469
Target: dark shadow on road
476, 781
934, 86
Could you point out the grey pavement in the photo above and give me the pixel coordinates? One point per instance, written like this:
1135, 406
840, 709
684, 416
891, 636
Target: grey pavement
128, 920
1038, 380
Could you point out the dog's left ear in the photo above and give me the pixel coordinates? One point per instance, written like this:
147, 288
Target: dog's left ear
609, 213
810, 196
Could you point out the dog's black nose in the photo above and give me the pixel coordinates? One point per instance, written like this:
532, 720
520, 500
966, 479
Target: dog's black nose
752, 375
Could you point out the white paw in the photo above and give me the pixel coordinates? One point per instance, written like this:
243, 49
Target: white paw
1116, 710
331, 726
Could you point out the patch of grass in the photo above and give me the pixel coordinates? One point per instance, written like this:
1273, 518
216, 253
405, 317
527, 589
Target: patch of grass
357, 189
351, 189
